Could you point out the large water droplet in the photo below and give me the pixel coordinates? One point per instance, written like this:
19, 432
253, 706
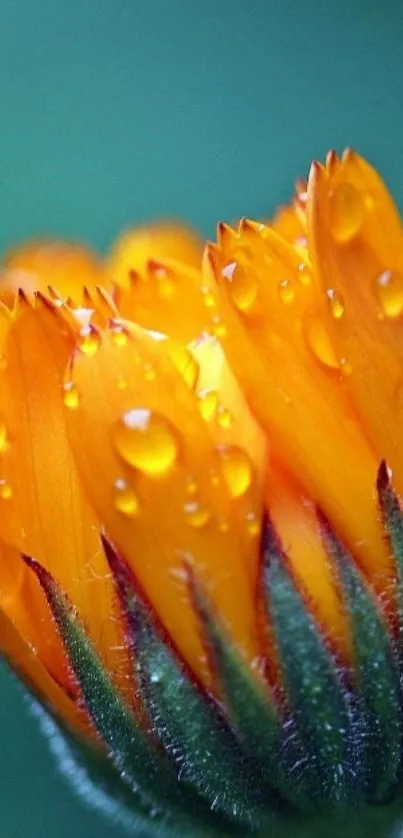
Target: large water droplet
197, 515
389, 292
347, 212
147, 441
163, 278
208, 404
125, 499
219, 328
319, 341
237, 469
224, 417
286, 291
89, 340
243, 287
120, 335
336, 303
71, 395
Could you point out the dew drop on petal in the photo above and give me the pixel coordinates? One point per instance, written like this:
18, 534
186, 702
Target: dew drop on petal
125, 499
286, 291
389, 292
120, 336
146, 440
252, 524
208, 296
336, 303
6, 491
318, 340
89, 340
165, 284
236, 468
243, 286
347, 212
196, 514
304, 275
224, 417
208, 404
219, 327
71, 396
149, 372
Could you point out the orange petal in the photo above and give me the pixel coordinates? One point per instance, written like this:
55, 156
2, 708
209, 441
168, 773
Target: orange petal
43, 511
357, 246
157, 242
294, 518
293, 380
155, 479
167, 297
63, 265
27, 664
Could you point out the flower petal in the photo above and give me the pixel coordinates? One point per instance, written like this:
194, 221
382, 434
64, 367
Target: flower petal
164, 241
292, 378
63, 265
155, 480
357, 247
43, 511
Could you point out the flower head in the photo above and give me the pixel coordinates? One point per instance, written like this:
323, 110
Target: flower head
201, 531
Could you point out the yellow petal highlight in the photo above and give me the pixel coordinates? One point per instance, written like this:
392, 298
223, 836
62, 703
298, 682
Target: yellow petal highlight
156, 481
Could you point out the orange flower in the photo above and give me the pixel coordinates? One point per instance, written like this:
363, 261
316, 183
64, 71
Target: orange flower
208, 443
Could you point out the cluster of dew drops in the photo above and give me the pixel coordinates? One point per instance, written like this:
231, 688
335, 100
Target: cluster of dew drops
148, 443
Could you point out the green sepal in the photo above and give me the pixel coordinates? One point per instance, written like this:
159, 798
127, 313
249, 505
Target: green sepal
312, 681
251, 709
187, 722
375, 676
144, 769
392, 519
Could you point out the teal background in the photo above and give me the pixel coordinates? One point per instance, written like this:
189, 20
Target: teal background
114, 111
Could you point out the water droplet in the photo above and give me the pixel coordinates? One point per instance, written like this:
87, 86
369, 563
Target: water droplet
122, 383
389, 292
319, 341
243, 287
6, 491
336, 303
186, 365
71, 396
286, 291
345, 367
196, 514
120, 335
214, 478
3, 434
208, 296
224, 417
219, 327
208, 404
89, 340
237, 469
191, 486
146, 440
223, 525
347, 212
252, 524
163, 279
304, 276
149, 372
125, 499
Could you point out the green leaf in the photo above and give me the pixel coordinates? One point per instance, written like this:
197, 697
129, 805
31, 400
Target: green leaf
376, 678
186, 721
251, 709
148, 773
312, 683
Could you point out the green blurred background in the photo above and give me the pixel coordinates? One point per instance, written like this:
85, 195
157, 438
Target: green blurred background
114, 111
